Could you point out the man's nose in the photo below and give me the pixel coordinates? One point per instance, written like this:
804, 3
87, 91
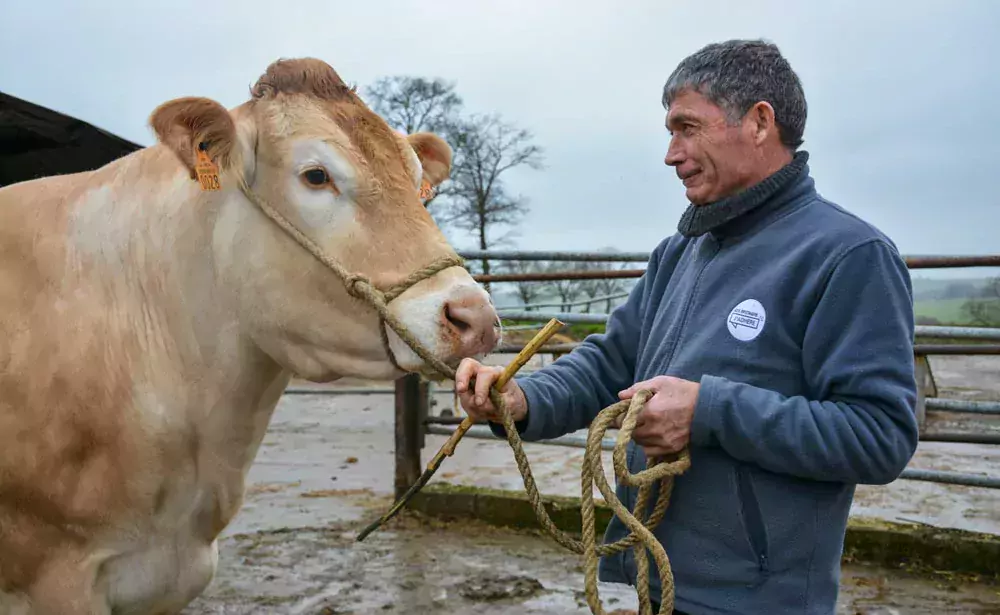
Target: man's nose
675, 155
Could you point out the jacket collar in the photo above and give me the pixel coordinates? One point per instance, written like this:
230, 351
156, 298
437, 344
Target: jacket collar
741, 212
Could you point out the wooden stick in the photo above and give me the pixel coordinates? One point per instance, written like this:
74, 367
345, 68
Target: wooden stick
448, 449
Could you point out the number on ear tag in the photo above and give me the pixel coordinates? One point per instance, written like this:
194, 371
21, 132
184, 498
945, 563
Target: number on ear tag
426, 192
208, 171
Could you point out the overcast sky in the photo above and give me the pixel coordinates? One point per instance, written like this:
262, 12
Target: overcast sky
902, 95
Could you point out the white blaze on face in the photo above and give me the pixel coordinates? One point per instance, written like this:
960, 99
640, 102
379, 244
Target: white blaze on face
321, 212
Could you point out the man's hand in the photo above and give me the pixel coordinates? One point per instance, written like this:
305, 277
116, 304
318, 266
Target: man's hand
663, 426
473, 381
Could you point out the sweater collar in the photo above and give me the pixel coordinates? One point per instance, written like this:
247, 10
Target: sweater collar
700, 219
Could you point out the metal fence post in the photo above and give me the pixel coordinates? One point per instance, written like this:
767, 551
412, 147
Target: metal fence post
925, 388
412, 400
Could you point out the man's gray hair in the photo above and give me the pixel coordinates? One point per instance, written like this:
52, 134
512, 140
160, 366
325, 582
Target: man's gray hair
736, 75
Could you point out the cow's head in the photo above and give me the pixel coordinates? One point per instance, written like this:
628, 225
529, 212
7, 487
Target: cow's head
309, 147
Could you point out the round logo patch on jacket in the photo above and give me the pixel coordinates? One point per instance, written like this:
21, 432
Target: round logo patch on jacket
746, 321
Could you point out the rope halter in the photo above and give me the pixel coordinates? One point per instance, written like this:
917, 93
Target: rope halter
361, 287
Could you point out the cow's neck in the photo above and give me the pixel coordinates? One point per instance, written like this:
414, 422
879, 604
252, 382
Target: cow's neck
195, 377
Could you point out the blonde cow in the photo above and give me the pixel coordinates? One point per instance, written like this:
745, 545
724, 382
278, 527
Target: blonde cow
148, 327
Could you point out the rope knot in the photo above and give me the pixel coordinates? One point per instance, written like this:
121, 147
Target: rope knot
357, 285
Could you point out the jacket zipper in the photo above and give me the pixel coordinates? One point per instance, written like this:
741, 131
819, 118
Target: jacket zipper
630, 492
687, 307
756, 533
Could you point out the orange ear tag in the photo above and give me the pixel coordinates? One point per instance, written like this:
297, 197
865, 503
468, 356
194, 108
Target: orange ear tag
426, 191
208, 171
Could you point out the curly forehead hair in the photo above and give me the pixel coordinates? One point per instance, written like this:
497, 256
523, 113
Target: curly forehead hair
302, 76
737, 74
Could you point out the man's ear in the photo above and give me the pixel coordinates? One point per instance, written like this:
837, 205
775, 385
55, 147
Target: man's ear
762, 121
183, 124
434, 154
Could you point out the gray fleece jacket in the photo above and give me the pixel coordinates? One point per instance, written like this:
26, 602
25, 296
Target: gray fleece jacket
797, 319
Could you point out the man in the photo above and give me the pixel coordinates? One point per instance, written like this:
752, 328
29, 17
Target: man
776, 331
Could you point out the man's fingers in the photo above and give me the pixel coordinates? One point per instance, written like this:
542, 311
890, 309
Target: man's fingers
640, 419
630, 392
472, 379
657, 451
647, 433
464, 373
653, 384
484, 380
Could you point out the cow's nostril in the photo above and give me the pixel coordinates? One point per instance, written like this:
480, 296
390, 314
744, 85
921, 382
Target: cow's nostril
468, 317
454, 315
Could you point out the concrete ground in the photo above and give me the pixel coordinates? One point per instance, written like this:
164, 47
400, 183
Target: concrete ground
325, 470
415, 566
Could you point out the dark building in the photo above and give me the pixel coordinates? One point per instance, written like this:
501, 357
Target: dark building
37, 142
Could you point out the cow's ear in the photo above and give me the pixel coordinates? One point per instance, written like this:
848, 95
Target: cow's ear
187, 125
434, 154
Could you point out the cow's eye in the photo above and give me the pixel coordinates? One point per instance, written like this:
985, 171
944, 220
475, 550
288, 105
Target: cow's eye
316, 177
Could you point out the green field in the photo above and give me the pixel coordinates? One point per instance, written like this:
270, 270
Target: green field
947, 311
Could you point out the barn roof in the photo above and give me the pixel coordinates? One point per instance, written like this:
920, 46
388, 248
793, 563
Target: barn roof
36, 142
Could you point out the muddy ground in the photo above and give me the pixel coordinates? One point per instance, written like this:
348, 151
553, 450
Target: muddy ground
420, 566
325, 470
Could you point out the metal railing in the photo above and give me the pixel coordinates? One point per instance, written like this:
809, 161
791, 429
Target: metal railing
608, 444
412, 394
961, 405
445, 426
563, 304
924, 331
537, 255
912, 262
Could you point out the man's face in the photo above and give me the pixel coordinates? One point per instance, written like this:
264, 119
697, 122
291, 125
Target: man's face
711, 157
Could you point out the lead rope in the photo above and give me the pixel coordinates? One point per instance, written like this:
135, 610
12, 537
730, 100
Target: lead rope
659, 471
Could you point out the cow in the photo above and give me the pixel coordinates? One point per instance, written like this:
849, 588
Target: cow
151, 317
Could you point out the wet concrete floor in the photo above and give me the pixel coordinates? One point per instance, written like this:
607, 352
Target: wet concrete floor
325, 469
420, 566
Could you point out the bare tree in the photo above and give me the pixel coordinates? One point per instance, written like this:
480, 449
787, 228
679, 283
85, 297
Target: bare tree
474, 199
527, 292
589, 288
477, 200
593, 288
567, 290
609, 287
984, 311
615, 286
415, 104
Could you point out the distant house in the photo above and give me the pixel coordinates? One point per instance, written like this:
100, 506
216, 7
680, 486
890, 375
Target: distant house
37, 142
